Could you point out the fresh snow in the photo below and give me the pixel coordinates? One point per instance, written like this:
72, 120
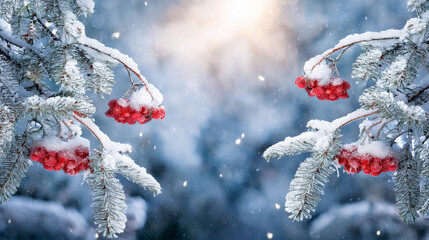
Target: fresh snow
55, 144
142, 98
86, 5
376, 149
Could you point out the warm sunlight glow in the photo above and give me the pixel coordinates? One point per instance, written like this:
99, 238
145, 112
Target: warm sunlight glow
237, 30
243, 13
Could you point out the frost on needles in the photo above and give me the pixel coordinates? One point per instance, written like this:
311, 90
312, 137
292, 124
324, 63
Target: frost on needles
395, 131
47, 67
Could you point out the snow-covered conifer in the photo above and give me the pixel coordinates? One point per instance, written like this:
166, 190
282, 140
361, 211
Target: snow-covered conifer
47, 67
395, 131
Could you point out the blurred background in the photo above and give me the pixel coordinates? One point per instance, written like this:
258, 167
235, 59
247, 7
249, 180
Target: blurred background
227, 70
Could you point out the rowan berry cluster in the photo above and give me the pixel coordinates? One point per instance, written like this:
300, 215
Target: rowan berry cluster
354, 162
72, 161
333, 91
122, 112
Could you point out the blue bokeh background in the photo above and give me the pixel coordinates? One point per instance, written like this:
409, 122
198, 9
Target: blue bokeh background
226, 69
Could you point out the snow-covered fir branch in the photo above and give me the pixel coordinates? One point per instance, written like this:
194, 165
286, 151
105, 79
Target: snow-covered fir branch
47, 67
393, 137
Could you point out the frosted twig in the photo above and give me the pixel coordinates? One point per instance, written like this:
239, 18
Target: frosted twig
118, 56
352, 40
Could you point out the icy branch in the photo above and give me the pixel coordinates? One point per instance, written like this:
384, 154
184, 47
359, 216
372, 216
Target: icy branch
101, 136
350, 41
115, 54
307, 141
19, 43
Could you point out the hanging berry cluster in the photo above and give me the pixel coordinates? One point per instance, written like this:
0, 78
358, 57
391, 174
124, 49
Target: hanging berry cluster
54, 155
355, 162
337, 88
121, 110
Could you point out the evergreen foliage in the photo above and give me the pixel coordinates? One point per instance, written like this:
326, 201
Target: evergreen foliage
47, 66
396, 112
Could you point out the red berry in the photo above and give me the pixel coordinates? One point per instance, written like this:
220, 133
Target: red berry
319, 90
71, 164
38, 154
144, 111
300, 82
313, 83
310, 93
376, 165
375, 174
112, 103
131, 121
70, 171
332, 97
116, 111
47, 167
344, 95
81, 152
366, 160
346, 85
158, 113
391, 164
321, 96
366, 170
57, 167
109, 113
51, 159
126, 112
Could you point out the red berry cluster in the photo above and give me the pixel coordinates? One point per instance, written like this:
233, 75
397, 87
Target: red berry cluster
72, 161
123, 113
332, 92
354, 162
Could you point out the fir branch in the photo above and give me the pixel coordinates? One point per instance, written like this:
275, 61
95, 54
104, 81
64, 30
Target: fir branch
422, 154
305, 142
7, 128
306, 187
115, 54
413, 117
13, 168
109, 207
291, 146
133, 172
58, 107
121, 163
407, 189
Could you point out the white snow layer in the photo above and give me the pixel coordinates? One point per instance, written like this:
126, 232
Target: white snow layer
86, 5
376, 149
142, 98
322, 72
4, 26
55, 144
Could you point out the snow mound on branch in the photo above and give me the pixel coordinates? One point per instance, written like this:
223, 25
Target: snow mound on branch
376, 149
142, 98
55, 144
321, 72
4, 26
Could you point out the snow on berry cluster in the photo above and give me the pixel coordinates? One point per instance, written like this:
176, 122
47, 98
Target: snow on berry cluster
121, 110
54, 154
368, 158
335, 89
142, 107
